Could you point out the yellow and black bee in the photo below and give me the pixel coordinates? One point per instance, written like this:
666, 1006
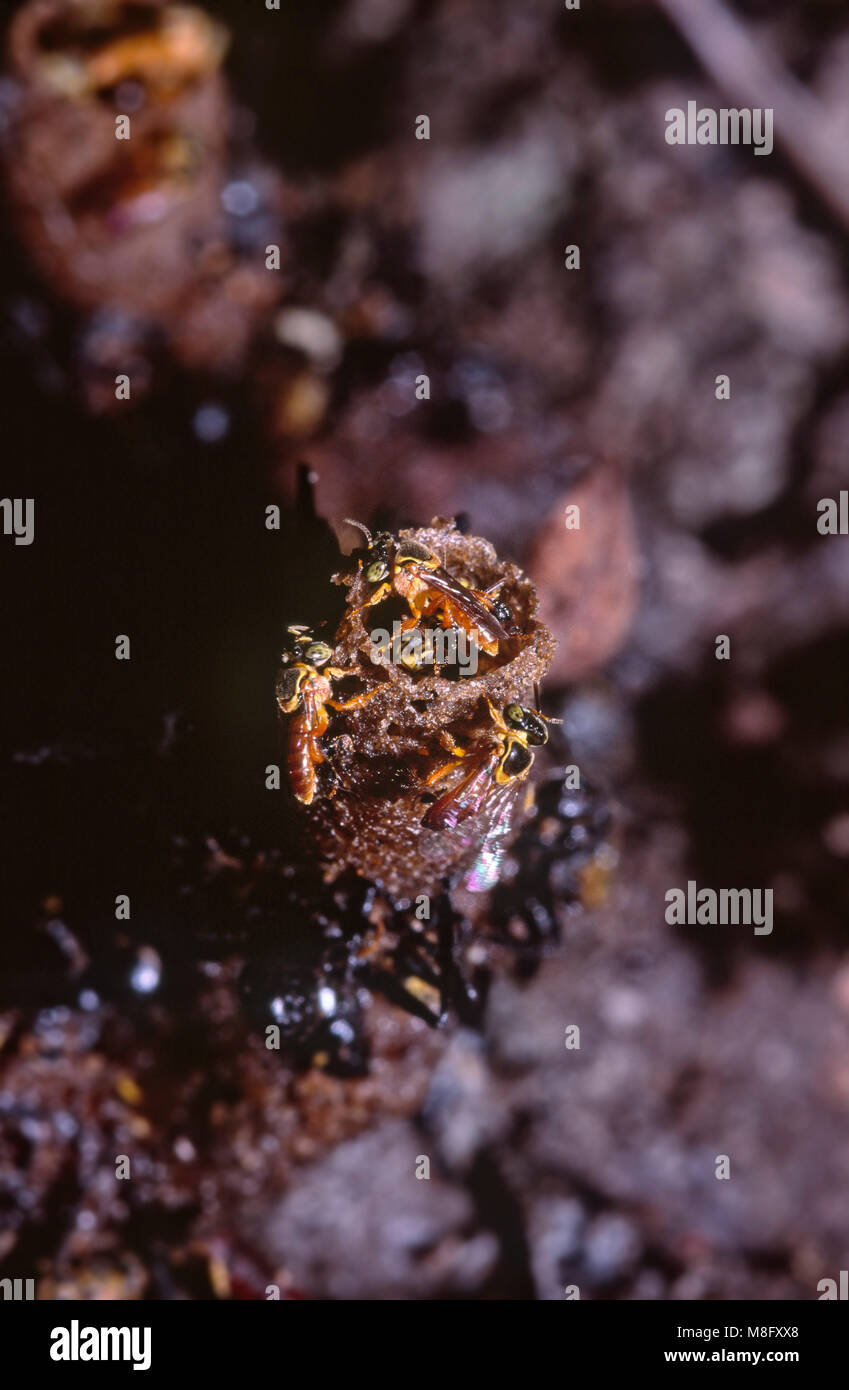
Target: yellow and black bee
303, 689
487, 795
411, 570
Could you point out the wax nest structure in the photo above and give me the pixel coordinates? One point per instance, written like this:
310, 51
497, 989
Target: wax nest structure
383, 750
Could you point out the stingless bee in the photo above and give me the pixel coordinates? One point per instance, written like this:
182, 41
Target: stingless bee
480, 807
303, 690
412, 571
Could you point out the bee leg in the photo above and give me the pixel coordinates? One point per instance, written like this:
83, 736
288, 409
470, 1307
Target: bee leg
354, 703
333, 783
453, 747
355, 612
371, 600
425, 606
442, 609
441, 772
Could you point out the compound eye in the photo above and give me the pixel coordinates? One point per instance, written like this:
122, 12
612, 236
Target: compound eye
377, 571
317, 653
515, 715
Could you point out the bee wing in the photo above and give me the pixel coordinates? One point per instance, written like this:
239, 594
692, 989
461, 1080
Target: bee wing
464, 598
478, 815
466, 797
311, 707
286, 688
499, 813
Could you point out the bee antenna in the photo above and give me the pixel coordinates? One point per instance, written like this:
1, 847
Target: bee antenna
349, 521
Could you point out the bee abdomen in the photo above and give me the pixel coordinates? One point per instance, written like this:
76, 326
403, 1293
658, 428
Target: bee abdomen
299, 760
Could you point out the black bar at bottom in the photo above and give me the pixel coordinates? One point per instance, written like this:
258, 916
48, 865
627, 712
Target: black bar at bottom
250, 1339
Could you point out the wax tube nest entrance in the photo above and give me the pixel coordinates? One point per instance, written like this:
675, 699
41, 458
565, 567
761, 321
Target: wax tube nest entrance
374, 794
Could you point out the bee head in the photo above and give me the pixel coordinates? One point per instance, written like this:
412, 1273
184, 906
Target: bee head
378, 560
379, 563
306, 648
377, 569
531, 724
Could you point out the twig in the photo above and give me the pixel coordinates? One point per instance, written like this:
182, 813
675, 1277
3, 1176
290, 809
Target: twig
806, 130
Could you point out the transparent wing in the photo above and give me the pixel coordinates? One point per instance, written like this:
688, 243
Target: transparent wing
466, 797
477, 816
499, 814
